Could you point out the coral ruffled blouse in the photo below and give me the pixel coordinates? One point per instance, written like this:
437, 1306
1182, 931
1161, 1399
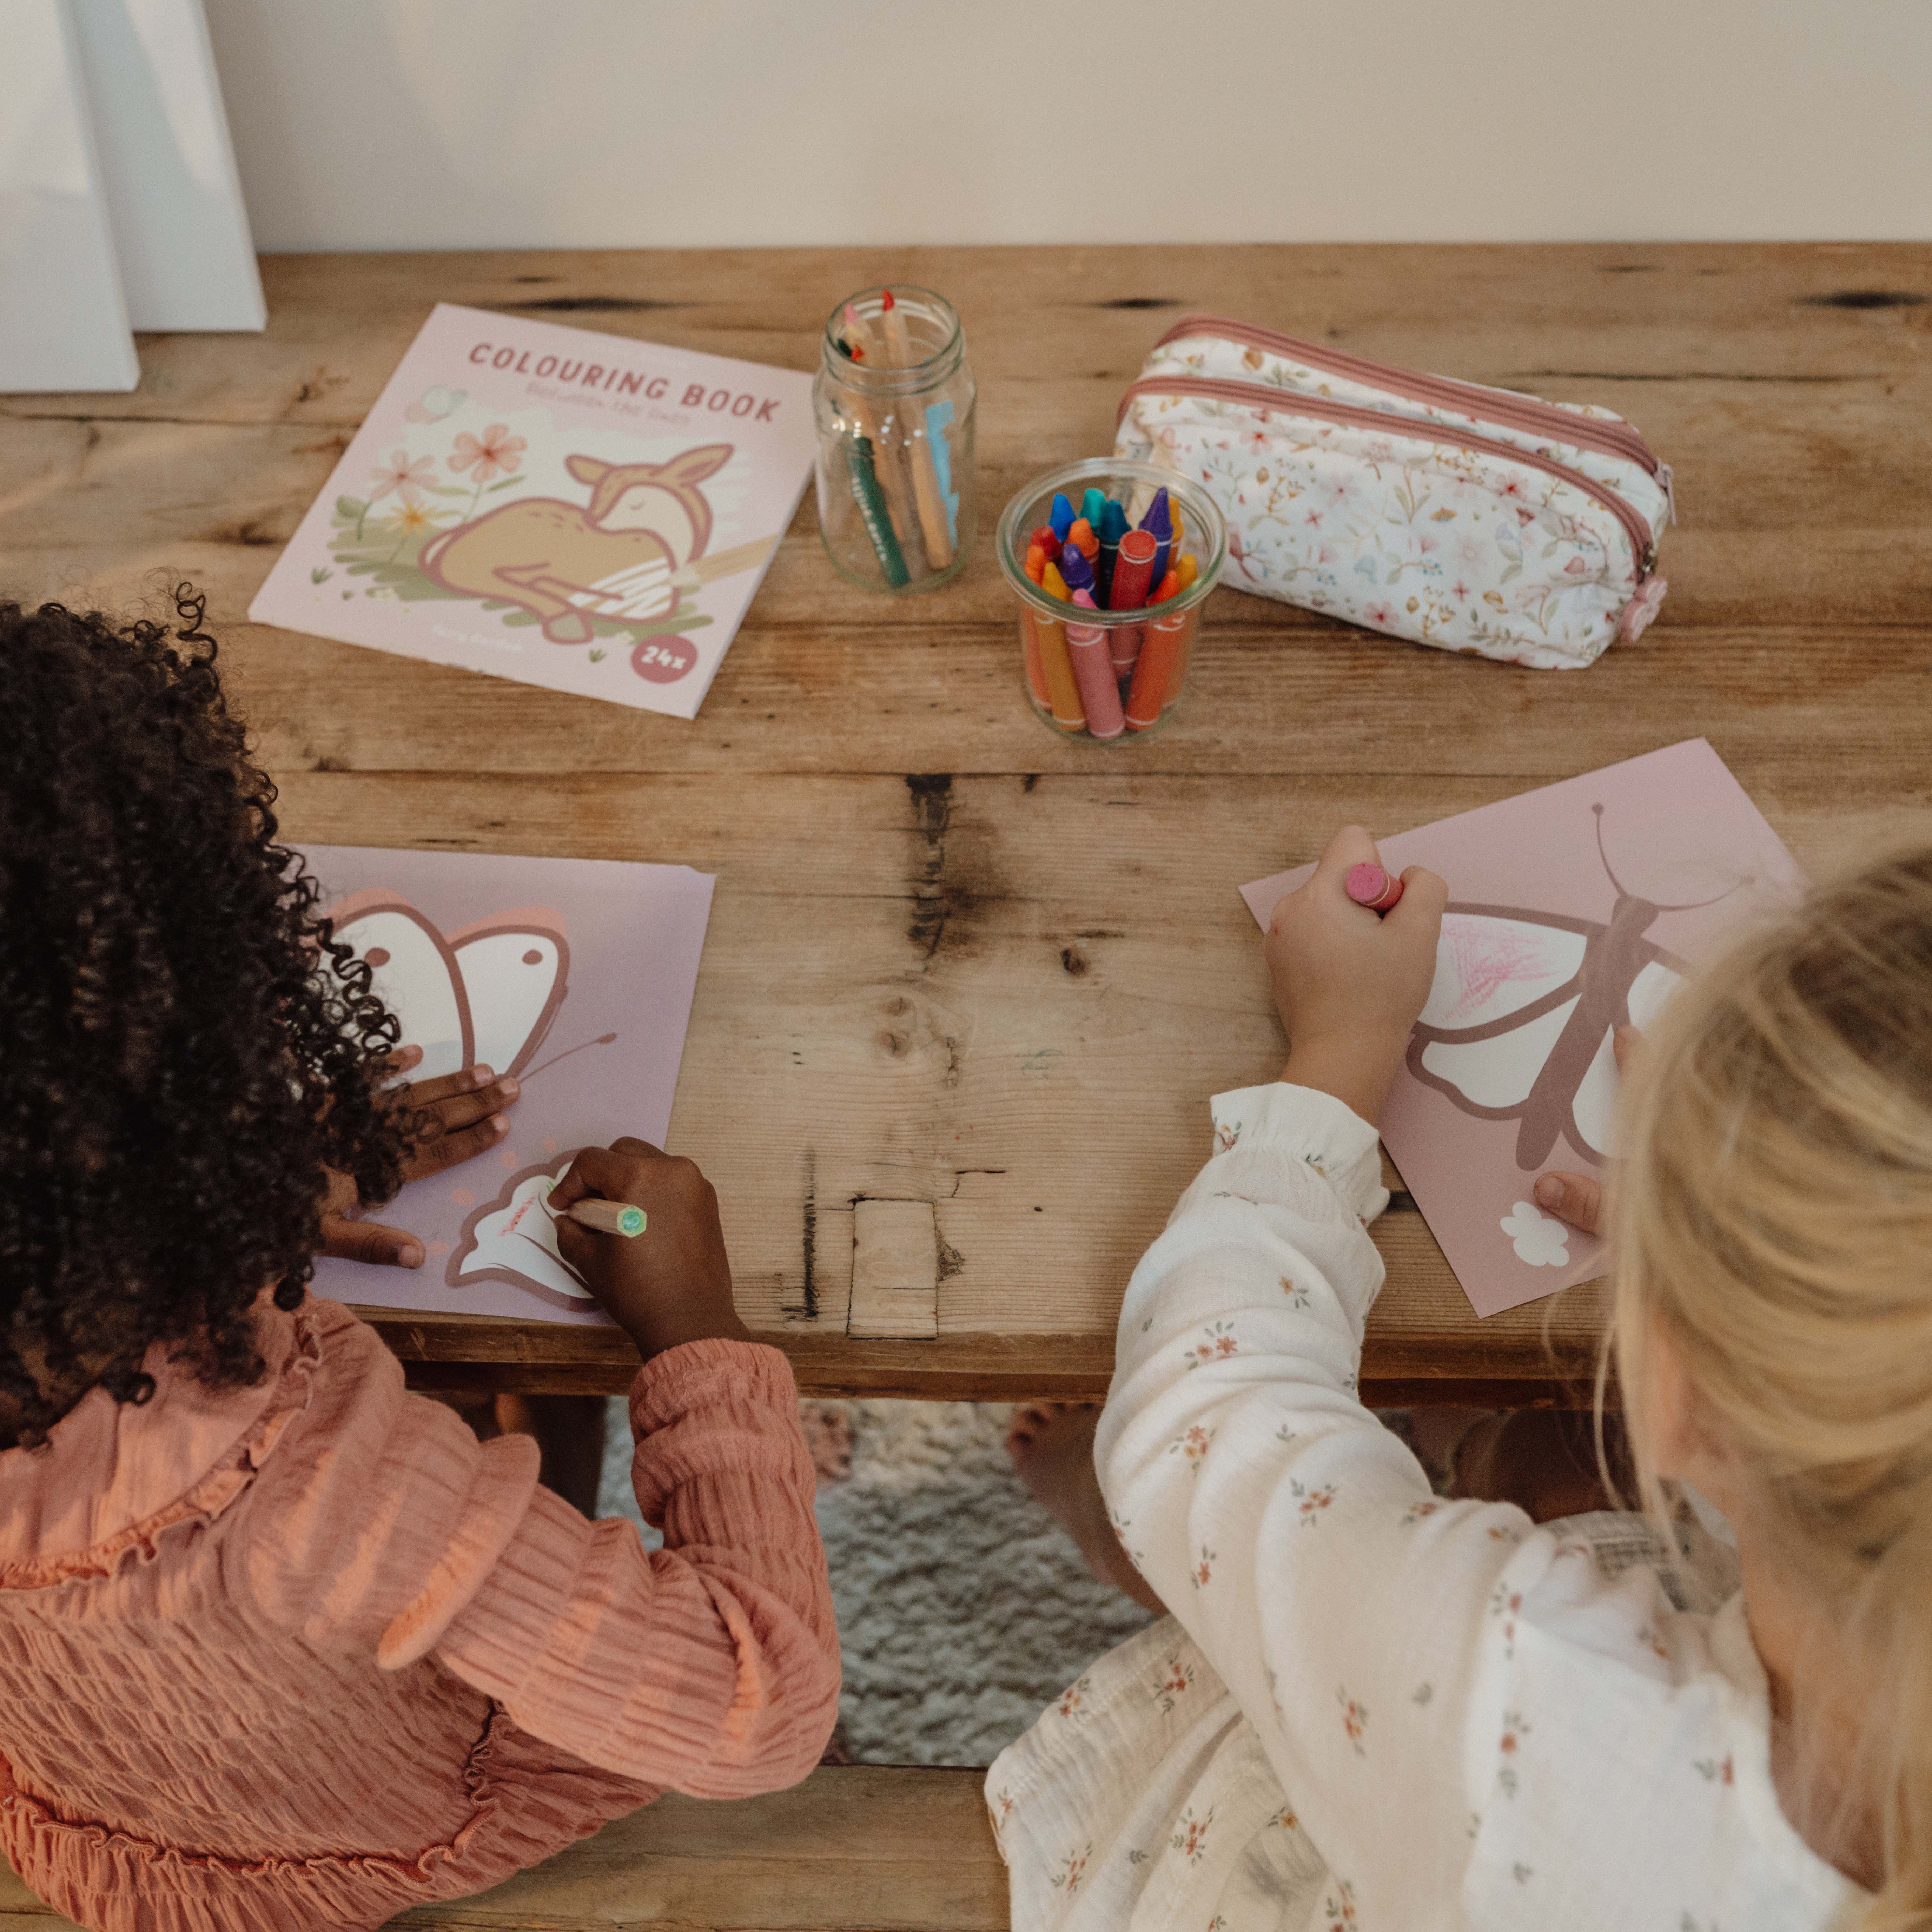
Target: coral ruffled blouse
302, 1654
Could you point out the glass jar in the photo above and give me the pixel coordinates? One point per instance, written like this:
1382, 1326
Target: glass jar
1103, 675
894, 401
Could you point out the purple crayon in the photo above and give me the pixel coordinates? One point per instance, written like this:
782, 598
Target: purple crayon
1158, 524
1076, 569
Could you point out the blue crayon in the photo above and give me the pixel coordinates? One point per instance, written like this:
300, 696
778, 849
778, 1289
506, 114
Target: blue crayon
1160, 525
1077, 571
1092, 507
1112, 527
1061, 518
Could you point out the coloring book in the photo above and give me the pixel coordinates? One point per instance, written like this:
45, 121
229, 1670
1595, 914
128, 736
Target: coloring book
1572, 911
559, 507
575, 975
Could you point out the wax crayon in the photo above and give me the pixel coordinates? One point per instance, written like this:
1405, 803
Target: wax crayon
1134, 570
1035, 562
1086, 645
1036, 668
1159, 519
1170, 586
1187, 570
1047, 537
1093, 506
1368, 885
1081, 537
1062, 517
1113, 526
1158, 671
1179, 527
1056, 667
1074, 567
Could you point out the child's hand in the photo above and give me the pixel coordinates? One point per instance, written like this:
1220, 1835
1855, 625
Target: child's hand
673, 1283
1578, 1197
1349, 982
462, 1115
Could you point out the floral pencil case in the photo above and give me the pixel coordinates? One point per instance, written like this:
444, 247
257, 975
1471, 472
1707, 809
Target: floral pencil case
1470, 518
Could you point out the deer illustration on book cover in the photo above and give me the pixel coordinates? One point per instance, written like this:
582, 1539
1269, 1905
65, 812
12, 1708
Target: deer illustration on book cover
1572, 911
563, 508
574, 975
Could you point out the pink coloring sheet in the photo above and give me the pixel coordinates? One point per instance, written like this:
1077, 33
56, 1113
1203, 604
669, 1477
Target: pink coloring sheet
551, 505
576, 976
1572, 911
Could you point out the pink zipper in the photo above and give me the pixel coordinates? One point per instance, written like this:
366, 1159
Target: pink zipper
1295, 402
1527, 413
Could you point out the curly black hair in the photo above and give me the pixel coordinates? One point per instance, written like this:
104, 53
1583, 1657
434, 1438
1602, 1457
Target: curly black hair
184, 1048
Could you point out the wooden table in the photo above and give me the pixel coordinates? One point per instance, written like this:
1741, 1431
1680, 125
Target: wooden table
967, 988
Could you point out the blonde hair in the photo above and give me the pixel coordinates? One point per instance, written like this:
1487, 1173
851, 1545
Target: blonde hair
1775, 1221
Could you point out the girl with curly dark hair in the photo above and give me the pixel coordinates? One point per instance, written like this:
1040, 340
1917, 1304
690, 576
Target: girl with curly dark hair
280, 1644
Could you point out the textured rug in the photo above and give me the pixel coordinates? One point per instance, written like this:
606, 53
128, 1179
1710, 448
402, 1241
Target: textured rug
963, 1607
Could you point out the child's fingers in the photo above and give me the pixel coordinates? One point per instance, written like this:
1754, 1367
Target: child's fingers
1423, 896
448, 1086
1351, 846
369, 1243
602, 1171
1575, 1198
464, 1110
451, 1148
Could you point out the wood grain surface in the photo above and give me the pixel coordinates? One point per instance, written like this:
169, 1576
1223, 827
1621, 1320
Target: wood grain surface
954, 960
853, 1849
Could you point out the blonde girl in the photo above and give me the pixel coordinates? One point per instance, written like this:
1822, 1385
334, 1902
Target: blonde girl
1373, 1708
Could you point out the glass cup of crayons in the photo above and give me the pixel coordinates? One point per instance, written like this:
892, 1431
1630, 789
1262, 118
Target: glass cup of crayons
894, 401
1110, 563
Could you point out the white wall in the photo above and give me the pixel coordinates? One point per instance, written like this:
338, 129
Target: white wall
443, 124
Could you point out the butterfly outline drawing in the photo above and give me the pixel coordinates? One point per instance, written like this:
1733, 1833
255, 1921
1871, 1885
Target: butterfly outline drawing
461, 1011
1578, 979
488, 992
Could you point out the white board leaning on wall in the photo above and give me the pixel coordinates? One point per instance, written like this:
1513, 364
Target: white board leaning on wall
120, 207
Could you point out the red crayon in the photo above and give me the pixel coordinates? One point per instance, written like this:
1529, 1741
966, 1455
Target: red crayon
1133, 571
1043, 535
1370, 885
1099, 694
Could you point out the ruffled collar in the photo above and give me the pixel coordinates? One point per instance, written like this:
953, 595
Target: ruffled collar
112, 1476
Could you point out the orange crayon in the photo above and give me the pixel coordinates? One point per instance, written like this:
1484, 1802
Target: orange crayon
1036, 665
1160, 669
1170, 586
1081, 537
1035, 562
1056, 667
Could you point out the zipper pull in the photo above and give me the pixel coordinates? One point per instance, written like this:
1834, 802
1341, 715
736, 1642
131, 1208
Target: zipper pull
1669, 492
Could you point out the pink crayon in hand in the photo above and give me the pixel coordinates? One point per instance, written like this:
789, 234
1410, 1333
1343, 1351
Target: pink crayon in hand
1370, 885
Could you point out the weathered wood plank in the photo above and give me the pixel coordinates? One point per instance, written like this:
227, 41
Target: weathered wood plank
852, 1848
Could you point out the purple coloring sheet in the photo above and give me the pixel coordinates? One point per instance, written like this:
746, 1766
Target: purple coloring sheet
1572, 911
575, 974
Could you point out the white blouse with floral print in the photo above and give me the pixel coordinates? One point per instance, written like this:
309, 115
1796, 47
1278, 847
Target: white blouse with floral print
1371, 1709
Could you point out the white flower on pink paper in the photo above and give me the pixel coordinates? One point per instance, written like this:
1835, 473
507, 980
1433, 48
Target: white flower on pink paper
496, 453
407, 479
1540, 1239
1641, 611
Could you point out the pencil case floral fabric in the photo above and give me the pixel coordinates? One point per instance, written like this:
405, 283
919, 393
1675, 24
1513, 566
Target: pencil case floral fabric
1470, 518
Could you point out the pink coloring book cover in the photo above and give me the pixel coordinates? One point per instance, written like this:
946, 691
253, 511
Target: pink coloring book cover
1572, 911
576, 976
549, 504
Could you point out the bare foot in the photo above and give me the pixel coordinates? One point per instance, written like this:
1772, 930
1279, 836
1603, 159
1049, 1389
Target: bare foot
1051, 1445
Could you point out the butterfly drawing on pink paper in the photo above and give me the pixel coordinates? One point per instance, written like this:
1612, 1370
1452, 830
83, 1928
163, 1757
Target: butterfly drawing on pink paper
485, 994
1521, 1019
